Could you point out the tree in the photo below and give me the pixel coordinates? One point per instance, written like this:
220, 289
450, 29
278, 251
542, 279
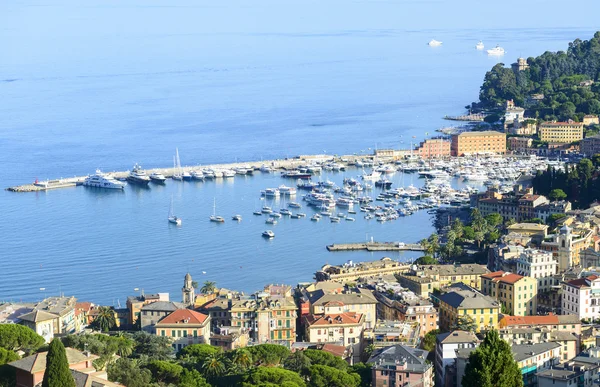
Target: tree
192, 378
268, 354
208, 287
552, 219
429, 340
272, 376
596, 160
16, 337
557, 194
324, 376
129, 373
365, 372
164, 372
105, 319
7, 356
465, 323
155, 347
325, 358
492, 365
426, 260
493, 220
200, 352
213, 366
242, 359
297, 362
57, 372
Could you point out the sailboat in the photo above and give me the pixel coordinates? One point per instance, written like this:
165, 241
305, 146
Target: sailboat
176, 166
172, 218
214, 217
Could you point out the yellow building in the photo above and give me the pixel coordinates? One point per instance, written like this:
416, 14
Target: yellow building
184, 327
468, 143
465, 301
561, 132
517, 293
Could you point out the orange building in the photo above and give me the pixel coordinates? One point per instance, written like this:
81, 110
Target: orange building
185, 327
433, 147
468, 143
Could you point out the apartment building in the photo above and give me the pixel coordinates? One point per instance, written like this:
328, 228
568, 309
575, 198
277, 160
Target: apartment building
566, 246
518, 294
184, 327
470, 143
561, 132
540, 265
400, 365
581, 297
466, 301
445, 346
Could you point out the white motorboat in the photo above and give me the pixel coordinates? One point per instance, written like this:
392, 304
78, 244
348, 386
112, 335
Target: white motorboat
268, 234
266, 169
334, 219
197, 175
498, 51
315, 217
271, 221
285, 211
266, 210
285, 190
101, 180
157, 177
479, 45
434, 43
373, 176
271, 193
237, 218
349, 219
228, 173
294, 205
172, 217
258, 213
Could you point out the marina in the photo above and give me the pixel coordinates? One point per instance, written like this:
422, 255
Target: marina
376, 246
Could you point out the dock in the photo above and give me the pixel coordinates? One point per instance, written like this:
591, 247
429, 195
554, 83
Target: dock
477, 117
376, 246
278, 165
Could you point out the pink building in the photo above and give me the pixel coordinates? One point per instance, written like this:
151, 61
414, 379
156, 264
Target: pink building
400, 365
433, 148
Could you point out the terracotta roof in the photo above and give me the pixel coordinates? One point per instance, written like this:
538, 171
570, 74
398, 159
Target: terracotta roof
334, 303
505, 277
334, 319
335, 350
582, 282
37, 363
184, 316
530, 320
530, 197
493, 274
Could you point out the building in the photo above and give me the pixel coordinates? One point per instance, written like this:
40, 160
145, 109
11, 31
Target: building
30, 370
570, 374
590, 145
528, 205
353, 300
152, 313
465, 301
534, 230
518, 294
42, 323
433, 148
219, 310
566, 246
590, 119
188, 298
230, 338
589, 258
135, 303
184, 327
504, 256
520, 144
351, 272
399, 365
390, 332
552, 322
520, 65
561, 132
469, 143
422, 279
539, 265
581, 297
445, 355
519, 205
544, 211
407, 307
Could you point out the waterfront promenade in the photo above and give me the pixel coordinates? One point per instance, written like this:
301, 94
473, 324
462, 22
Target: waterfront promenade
376, 246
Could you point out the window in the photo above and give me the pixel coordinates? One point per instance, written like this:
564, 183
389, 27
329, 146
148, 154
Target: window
185, 333
162, 332
173, 333
195, 333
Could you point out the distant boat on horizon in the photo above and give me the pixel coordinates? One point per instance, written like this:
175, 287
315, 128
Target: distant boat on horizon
497, 51
172, 218
434, 43
479, 45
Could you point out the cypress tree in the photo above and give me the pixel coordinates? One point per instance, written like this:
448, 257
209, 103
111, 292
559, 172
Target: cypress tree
57, 372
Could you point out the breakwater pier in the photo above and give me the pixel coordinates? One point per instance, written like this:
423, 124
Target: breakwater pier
375, 246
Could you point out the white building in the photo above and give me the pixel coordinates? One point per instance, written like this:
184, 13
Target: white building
540, 265
445, 355
581, 297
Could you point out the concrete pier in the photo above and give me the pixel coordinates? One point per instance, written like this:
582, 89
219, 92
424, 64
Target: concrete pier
376, 246
280, 164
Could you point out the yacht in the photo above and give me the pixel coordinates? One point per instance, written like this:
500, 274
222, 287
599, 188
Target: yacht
285, 190
268, 234
100, 180
294, 205
185, 175
257, 213
496, 51
157, 177
285, 211
271, 221
434, 43
271, 193
315, 218
479, 45
373, 176
266, 210
173, 218
214, 217
138, 176
383, 183
198, 175
266, 169
237, 217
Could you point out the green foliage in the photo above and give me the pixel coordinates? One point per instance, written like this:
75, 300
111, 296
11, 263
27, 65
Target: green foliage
155, 347
164, 372
268, 354
208, 287
57, 372
326, 359
17, 337
214, 366
101, 344
7, 356
426, 260
105, 319
324, 376
557, 75
552, 219
199, 352
129, 373
429, 340
493, 220
577, 182
8, 376
365, 372
465, 323
492, 365
557, 194
192, 378
297, 362
267, 376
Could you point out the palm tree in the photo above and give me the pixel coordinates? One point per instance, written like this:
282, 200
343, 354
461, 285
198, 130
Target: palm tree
105, 319
213, 366
208, 287
125, 347
242, 359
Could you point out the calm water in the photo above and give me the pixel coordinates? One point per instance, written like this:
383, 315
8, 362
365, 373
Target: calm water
109, 83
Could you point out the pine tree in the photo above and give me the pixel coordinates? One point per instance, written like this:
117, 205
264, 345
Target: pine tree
57, 372
492, 365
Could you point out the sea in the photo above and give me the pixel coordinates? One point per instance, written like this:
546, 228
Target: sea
106, 84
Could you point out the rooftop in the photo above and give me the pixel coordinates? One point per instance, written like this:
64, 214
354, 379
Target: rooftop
37, 316
184, 316
525, 351
413, 359
457, 337
37, 363
527, 226
482, 133
163, 306
468, 299
347, 318
504, 277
